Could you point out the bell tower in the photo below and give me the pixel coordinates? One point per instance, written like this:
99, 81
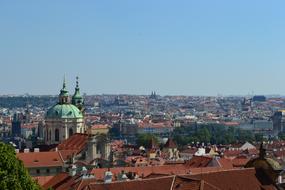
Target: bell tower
77, 99
63, 96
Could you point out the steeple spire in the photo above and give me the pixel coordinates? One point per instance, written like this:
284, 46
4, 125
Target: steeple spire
77, 99
64, 83
63, 96
77, 83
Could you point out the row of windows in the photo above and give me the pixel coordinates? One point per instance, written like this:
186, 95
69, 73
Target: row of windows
38, 171
56, 134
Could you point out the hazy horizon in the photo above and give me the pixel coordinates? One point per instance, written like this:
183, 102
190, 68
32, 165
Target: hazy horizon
135, 47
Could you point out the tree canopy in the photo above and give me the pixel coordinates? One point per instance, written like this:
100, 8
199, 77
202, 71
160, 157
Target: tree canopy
214, 134
13, 174
146, 140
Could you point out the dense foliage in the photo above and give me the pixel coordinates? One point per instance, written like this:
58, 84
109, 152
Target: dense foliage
146, 140
214, 134
281, 135
13, 174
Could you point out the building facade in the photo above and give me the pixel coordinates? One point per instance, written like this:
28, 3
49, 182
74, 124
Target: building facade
278, 122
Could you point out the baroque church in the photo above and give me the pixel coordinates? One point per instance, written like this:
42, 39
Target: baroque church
65, 118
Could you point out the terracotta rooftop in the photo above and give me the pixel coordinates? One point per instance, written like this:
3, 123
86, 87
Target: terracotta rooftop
170, 144
41, 159
76, 142
143, 171
163, 183
198, 161
57, 181
240, 162
42, 180
67, 154
99, 126
225, 163
240, 179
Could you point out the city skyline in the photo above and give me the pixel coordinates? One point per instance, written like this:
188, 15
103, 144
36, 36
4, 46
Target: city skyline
127, 47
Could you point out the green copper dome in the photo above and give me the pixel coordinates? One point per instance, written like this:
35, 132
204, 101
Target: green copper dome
64, 111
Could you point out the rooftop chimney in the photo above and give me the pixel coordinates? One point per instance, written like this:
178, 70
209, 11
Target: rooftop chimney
72, 171
26, 150
108, 176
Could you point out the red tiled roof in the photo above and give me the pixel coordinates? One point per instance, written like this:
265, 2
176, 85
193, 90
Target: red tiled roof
29, 125
99, 126
225, 163
240, 162
57, 181
76, 142
67, 154
143, 171
198, 161
231, 123
170, 144
241, 179
166, 124
163, 183
42, 180
41, 159
237, 179
232, 153
160, 183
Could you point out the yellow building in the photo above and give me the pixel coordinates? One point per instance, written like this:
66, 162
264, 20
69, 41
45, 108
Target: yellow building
99, 129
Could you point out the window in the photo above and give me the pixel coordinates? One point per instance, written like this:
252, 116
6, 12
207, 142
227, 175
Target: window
38, 171
47, 170
98, 149
46, 134
56, 135
70, 132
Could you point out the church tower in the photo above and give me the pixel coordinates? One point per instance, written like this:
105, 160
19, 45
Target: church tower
63, 119
77, 99
63, 96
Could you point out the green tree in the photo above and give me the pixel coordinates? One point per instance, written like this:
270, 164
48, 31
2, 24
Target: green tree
146, 140
230, 136
259, 137
13, 174
281, 135
204, 135
244, 135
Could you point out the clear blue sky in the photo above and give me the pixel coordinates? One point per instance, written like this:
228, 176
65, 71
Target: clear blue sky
174, 47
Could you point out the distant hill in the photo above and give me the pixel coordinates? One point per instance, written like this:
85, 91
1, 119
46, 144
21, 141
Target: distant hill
23, 101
